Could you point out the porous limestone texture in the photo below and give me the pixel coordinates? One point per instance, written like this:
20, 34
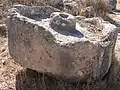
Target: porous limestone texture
76, 55
62, 21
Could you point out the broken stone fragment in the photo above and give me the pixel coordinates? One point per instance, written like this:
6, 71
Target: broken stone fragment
77, 55
62, 21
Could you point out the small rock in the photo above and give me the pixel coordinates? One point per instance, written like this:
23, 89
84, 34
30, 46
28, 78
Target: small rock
80, 73
3, 62
2, 49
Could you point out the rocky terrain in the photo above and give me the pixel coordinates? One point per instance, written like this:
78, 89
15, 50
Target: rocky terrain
15, 77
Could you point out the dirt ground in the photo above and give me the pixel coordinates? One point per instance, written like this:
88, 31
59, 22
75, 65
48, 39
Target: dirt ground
14, 77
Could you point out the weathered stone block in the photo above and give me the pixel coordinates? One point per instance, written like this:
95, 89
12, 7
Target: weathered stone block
75, 55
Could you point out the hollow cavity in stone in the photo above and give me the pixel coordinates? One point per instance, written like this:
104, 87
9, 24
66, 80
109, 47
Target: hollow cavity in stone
62, 21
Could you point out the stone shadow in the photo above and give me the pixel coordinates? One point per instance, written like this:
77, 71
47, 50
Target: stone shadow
117, 11
74, 32
28, 79
113, 79
32, 80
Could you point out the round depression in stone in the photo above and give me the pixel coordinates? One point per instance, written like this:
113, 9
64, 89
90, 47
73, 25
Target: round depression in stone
95, 29
61, 21
36, 12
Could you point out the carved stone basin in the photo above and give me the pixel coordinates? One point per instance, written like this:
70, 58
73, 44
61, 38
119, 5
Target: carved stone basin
49, 41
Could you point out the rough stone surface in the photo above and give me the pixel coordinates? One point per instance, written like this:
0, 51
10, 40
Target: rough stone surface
112, 4
75, 55
62, 21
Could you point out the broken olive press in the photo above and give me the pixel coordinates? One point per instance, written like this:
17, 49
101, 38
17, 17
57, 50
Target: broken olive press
49, 41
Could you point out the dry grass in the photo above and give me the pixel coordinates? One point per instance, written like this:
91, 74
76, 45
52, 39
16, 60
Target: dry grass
100, 6
29, 2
